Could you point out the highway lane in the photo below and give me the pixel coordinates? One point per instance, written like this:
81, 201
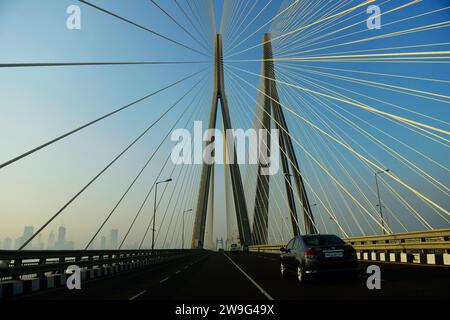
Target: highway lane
398, 281
225, 276
214, 278
123, 286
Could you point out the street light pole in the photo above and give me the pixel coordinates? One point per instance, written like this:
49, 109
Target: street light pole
184, 212
154, 211
379, 198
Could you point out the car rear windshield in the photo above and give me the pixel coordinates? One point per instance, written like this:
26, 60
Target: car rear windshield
322, 240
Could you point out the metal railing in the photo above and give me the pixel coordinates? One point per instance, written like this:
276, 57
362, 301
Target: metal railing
35, 264
268, 248
414, 247
419, 240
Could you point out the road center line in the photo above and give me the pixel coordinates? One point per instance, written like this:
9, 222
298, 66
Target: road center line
164, 280
249, 278
138, 295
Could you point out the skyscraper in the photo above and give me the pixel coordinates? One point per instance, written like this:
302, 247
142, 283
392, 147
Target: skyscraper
60, 243
28, 231
114, 239
51, 241
40, 244
103, 243
61, 234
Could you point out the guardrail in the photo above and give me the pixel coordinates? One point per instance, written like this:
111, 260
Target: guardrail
27, 271
421, 247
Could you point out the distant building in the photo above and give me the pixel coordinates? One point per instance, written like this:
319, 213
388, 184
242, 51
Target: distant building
61, 235
61, 239
70, 245
114, 239
40, 244
61, 243
103, 243
7, 243
51, 241
28, 232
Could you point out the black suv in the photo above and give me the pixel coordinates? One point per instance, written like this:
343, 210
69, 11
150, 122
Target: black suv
314, 254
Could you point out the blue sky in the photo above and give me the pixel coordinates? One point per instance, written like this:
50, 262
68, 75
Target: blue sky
38, 104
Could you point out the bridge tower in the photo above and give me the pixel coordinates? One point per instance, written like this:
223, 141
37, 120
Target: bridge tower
220, 244
203, 200
271, 106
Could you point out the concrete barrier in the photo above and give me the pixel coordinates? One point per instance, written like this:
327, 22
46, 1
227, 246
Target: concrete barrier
48, 280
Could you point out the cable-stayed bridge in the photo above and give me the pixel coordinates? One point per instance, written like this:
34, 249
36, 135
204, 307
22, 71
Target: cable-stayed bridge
354, 122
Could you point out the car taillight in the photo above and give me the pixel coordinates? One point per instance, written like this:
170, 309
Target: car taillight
311, 253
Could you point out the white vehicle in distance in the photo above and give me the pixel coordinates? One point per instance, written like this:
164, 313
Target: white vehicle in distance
234, 248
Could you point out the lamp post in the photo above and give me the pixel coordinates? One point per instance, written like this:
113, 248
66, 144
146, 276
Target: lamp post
379, 197
154, 210
184, 212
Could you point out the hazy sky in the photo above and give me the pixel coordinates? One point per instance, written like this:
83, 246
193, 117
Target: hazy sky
38, 104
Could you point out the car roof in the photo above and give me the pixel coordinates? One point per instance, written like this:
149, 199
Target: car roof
317, 235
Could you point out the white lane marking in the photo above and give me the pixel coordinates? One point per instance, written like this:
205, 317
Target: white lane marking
249, 278
138, 295
164, 280
178, 272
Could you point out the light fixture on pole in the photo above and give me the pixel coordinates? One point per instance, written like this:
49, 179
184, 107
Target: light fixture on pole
154, 211
379, 197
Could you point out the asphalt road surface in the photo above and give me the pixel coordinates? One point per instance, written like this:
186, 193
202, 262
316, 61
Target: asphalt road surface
253, 276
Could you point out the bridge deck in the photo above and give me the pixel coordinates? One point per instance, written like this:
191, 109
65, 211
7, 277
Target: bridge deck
212, 276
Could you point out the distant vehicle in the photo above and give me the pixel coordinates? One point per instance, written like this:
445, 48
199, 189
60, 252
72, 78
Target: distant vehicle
245, 248
315, 254
220, 249
234, 248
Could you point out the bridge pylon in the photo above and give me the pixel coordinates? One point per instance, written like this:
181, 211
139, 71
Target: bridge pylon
273, 110
198, 237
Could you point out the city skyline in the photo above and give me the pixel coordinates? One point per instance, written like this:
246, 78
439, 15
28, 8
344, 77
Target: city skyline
56, 241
